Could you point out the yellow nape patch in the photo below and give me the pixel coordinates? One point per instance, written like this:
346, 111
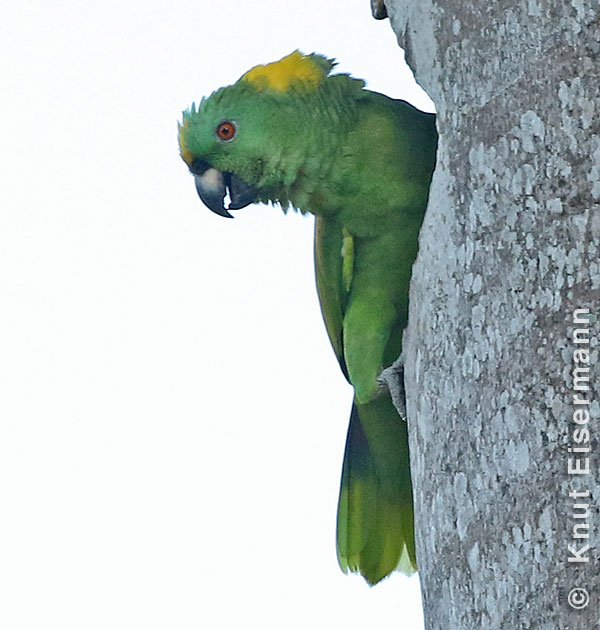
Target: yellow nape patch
279, 75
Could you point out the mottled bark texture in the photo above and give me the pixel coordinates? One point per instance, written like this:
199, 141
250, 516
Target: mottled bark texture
508, 251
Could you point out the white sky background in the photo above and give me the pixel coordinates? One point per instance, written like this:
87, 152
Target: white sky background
172, 416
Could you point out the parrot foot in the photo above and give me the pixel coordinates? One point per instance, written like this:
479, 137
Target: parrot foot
392, 379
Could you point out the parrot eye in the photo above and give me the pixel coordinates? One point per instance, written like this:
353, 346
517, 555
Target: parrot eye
226, 130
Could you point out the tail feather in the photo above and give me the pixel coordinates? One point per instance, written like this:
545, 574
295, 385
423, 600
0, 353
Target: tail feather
375, 531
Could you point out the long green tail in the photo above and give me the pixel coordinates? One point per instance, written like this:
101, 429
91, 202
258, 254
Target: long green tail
375, 529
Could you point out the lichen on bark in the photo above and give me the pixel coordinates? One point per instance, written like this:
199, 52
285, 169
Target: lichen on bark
508, 251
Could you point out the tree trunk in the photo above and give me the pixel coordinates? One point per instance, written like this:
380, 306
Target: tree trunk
508, 261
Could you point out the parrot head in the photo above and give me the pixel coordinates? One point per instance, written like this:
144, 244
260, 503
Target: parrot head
250, 141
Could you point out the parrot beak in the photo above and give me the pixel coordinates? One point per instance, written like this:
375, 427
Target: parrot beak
212, 186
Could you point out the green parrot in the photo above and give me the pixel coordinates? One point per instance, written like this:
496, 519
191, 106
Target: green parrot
292, 133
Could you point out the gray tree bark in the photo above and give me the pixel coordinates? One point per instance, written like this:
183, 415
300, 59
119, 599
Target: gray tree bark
508, 253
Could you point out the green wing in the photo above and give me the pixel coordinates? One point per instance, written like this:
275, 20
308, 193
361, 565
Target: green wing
332, 269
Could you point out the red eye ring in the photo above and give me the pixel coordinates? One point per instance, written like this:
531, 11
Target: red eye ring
226, 130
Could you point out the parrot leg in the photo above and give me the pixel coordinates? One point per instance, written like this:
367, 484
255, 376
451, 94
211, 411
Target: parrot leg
370, 316
366, 332
392, 380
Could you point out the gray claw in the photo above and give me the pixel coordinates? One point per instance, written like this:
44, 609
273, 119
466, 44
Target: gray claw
392, 379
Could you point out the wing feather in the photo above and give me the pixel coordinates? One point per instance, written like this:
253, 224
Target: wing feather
333, 270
